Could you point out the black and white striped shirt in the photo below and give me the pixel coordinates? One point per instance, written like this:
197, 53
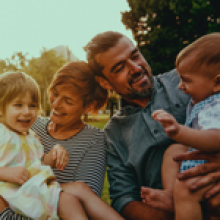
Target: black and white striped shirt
86, 151
87, 157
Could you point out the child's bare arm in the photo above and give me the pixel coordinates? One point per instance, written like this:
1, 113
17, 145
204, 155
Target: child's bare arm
14, 174
48, 159
204, 140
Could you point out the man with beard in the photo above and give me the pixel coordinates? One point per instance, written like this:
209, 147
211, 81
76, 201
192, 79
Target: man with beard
135, 142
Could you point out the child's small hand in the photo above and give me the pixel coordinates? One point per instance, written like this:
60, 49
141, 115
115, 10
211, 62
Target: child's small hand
18, 175
61, 156
171, 126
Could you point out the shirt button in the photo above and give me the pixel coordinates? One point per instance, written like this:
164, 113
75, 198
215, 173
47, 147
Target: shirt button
155, 131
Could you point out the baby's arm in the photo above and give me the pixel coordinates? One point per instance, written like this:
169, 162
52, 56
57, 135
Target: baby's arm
58, 157
204, 140
14, 174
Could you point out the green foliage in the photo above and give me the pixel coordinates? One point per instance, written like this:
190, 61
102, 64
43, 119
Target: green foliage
42, 70
105, 191
162, 28
15, 63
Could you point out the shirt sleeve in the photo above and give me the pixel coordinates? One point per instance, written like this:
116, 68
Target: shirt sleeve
209, 117
8, 214
6, 156
8, 147
93, 165
124, 187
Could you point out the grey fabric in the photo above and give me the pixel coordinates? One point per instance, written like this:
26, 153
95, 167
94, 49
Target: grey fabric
136, 143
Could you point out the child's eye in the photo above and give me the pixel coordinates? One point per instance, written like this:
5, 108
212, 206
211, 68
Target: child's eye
33, 105
186, 80
17, 105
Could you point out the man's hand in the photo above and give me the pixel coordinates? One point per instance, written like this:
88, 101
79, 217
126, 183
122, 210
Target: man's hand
169, 123
16, 175
209, 172
60, 155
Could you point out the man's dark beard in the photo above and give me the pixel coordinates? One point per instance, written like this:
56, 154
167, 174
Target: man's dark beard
144, 93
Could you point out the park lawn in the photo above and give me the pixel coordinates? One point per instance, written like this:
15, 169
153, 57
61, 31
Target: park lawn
100, 123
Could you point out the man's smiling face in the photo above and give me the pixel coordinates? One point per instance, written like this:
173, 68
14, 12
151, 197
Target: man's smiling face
126, 71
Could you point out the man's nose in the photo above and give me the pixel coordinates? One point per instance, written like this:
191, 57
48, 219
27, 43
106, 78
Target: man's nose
134, 67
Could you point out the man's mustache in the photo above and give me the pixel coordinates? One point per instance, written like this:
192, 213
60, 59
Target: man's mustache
136, 76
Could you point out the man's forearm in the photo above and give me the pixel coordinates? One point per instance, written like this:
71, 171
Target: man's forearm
139, 211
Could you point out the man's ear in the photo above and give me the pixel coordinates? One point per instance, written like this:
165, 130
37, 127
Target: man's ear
103, 82
217, 83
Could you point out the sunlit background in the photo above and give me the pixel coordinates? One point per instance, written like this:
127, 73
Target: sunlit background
30, 25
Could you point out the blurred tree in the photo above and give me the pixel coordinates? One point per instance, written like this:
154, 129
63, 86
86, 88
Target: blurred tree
162, 28
3, 66
19, 60
113, 102
42, 70
16, 63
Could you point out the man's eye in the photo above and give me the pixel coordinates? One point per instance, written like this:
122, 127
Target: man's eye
136, 55
119, 69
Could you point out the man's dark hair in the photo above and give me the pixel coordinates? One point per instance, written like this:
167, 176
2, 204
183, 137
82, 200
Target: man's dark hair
99, 44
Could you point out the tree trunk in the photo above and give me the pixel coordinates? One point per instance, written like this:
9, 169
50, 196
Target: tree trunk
85, 117
111, 109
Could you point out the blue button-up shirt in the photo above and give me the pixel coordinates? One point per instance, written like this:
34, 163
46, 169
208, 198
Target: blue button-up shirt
136, 142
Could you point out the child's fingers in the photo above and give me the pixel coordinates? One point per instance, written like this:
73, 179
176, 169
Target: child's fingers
62, 160
54, 154
27, 175
156, 112
59, 160
142, 196
144, 189
23, 177
62, 157
162, 116
23, 180
65, 161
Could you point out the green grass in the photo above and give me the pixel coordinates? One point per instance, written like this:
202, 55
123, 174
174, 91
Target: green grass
100, 122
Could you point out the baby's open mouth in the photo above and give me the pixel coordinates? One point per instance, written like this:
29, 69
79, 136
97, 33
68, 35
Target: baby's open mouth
24, 121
